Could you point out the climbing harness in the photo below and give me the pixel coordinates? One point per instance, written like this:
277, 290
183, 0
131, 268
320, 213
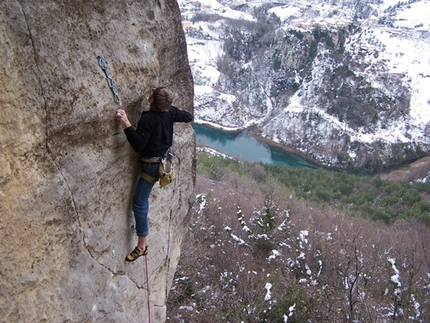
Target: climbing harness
147, 288
103, 66
166, 174
165, 171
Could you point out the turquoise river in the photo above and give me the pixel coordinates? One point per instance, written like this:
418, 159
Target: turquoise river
243, 146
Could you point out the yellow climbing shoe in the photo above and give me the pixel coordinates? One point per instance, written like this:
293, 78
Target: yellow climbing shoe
136, 253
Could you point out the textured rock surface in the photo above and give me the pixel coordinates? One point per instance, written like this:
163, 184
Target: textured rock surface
67, 172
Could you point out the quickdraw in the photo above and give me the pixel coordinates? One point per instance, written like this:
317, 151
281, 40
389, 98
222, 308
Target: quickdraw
103, 66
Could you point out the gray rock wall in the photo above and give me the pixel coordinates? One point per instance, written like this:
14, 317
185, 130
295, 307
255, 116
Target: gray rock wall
67, 171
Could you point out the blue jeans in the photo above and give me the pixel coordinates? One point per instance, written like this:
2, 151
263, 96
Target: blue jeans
141, 199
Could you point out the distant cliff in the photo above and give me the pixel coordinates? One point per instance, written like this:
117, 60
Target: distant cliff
344, 83
67, 172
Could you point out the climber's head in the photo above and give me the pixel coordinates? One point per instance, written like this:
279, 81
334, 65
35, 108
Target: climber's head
160, 99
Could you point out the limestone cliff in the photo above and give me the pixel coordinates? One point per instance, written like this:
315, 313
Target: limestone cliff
67, 172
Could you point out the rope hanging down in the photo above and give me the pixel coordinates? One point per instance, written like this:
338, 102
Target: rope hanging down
103, 66
148, 292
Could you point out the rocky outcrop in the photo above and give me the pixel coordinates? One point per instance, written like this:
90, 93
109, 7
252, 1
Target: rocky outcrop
67, 172
417, 170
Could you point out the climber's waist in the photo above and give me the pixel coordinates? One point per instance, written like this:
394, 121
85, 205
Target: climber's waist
151, 160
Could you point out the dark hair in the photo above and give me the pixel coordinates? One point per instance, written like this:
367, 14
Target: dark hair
160, 99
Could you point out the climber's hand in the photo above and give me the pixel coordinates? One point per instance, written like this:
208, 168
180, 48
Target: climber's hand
122, 118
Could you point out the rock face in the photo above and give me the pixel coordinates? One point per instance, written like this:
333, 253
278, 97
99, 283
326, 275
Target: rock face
67, 171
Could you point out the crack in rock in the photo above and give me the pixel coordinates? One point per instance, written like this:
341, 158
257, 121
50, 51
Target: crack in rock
47, 136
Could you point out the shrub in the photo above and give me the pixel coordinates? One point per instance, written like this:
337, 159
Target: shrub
256, 253
295, 303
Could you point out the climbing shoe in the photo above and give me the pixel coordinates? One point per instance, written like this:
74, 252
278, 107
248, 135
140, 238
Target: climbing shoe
136, 253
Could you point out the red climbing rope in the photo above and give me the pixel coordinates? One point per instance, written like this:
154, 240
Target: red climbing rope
147, 288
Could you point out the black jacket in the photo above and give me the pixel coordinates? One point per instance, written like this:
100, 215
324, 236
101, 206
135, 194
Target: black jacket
154, 133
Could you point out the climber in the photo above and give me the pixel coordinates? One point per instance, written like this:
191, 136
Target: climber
151, 139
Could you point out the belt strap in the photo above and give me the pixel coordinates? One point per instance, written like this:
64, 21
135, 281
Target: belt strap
151, 160
148, 178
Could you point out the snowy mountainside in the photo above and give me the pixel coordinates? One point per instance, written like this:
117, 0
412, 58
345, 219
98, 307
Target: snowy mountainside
345, 84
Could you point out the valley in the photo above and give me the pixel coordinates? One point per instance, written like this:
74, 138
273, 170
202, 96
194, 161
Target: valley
344, 84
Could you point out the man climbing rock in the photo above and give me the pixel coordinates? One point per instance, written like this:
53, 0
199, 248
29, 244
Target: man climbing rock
151, 139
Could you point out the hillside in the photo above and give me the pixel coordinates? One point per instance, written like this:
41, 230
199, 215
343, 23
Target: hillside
302, 246
343, 82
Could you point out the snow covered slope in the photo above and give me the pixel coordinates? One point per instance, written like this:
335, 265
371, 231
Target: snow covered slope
345, 83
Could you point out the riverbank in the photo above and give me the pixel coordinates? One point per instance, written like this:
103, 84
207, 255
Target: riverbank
289, 149
244, 145
417, 170
411, 171
212, 125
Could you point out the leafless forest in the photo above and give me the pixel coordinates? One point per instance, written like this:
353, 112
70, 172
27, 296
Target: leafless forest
255, 252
